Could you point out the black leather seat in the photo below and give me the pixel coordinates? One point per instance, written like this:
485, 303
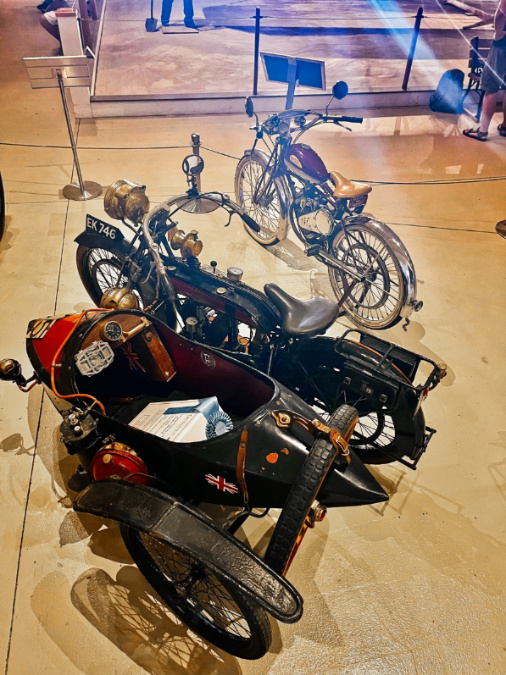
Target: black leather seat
302, 318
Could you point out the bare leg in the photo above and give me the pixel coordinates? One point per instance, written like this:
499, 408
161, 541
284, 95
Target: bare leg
52, 30
489, 106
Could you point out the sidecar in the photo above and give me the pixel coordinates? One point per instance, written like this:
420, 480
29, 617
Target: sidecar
103, 370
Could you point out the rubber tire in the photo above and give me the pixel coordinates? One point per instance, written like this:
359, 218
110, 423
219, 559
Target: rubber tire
282, 224
252, 648
392, 318
304, 491
2, 208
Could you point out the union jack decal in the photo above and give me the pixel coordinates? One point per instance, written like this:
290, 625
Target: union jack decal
222, 484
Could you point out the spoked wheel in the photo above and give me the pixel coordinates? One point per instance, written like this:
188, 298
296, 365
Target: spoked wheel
2, 207
380, 435
290, 527
375, 301
209, 605
262, 198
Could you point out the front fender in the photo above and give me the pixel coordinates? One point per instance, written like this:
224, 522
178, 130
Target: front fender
91, 240
400, 252
154, 512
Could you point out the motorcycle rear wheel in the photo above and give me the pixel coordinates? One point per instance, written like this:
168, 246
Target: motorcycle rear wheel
286, 537
377, 300
268, 207
208, 604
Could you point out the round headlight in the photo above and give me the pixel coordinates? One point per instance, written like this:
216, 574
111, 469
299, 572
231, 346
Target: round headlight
126, 200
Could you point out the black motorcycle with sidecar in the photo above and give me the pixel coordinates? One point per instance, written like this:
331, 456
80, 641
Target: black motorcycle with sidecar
105, 368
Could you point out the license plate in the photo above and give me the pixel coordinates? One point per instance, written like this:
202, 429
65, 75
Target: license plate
355, 202
98, 226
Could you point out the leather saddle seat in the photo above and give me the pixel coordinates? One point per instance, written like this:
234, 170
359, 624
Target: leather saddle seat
345, 188
302, 318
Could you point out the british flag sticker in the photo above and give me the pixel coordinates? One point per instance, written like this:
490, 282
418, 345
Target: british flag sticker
222, 484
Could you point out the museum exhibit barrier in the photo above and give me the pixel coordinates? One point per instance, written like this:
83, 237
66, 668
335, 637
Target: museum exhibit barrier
65, 72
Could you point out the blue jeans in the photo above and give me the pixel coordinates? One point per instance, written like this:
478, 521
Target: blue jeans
167, 8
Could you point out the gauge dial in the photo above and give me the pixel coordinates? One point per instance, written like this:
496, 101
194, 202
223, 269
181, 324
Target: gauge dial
112, 331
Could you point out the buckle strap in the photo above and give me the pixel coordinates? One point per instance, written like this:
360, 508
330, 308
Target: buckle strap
285, 419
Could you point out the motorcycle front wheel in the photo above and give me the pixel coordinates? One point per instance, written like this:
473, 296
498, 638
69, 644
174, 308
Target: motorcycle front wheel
209, 605
262, 198
376, 300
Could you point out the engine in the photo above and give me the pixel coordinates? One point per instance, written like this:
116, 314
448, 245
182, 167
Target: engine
313, 216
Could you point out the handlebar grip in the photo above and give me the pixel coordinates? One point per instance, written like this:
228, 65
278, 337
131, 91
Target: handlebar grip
352, 120
250, 222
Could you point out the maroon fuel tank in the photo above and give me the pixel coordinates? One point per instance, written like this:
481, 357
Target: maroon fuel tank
304, 162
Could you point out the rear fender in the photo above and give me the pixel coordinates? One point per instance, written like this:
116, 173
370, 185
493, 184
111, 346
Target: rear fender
154, 512
400, 252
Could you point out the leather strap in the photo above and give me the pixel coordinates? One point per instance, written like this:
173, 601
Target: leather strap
241, 463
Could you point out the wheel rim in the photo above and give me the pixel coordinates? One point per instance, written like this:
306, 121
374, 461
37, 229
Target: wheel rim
196, 586
376, 300
265, 209
105, 272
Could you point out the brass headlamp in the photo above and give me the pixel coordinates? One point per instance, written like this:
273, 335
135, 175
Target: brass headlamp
126, 200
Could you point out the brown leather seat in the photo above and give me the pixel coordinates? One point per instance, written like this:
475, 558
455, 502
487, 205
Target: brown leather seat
346, 188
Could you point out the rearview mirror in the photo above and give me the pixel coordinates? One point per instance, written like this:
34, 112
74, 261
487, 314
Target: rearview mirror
248, 106
339, 90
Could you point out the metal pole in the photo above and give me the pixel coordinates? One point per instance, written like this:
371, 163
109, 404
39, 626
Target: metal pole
196, 151
414, 39
85, 190
257, 49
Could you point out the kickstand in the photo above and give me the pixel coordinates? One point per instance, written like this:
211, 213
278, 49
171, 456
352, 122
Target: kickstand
405, 324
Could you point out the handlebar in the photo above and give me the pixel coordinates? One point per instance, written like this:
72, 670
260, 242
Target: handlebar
351, 120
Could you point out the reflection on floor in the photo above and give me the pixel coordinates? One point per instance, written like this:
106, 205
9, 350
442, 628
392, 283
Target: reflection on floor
415, 586
352, 38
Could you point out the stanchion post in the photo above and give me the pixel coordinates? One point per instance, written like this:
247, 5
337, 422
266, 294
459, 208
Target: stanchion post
52, 72
257, 50
409, 63
196, 151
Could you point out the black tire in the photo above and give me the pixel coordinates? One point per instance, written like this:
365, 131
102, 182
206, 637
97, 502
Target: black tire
267, 211
304, 491
209, 605
2, 208
376, 302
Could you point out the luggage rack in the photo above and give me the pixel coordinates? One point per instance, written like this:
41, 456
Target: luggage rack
403, 360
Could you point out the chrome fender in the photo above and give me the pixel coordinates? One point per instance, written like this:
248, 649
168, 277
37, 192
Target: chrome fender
284, 193
401, 253
155, 512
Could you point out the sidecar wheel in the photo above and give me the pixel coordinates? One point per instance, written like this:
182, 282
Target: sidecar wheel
208, 604
286, 536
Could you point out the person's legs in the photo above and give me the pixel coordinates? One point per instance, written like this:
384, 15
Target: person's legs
489, 106
188, 10
51, 29
166, 10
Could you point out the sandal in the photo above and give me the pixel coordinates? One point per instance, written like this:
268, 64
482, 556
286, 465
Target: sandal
476, 134
502, 130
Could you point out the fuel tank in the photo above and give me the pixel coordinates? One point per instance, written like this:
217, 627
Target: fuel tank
304, 162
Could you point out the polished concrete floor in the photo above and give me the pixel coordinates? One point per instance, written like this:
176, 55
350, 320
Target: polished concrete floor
351, 37
415, 587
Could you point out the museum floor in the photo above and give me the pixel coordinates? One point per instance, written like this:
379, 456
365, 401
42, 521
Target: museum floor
416, 587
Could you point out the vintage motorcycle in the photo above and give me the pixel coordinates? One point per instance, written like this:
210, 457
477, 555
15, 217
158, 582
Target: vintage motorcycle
104, 371
273, 332
370, 270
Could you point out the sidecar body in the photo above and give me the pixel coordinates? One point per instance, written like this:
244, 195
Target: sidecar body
127, 360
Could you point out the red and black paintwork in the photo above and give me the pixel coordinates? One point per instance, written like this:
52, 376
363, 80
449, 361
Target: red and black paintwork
273, 456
